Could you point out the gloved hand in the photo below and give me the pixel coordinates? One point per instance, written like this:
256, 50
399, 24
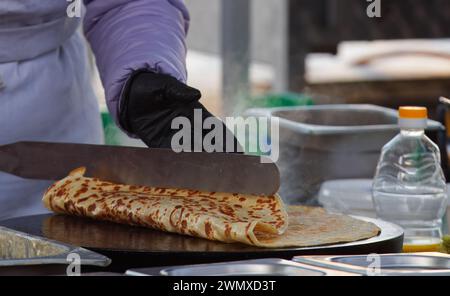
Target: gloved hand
151, 101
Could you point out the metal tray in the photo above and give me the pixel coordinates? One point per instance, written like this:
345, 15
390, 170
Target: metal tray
390, 264
258, 267
24, 254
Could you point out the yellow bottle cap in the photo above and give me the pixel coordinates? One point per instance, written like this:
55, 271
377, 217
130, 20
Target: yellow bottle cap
411, 112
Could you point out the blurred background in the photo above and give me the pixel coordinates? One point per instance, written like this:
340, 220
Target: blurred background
274, 52
247, 54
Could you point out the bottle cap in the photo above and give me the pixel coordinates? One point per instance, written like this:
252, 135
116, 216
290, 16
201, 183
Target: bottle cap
411, 117
412, 112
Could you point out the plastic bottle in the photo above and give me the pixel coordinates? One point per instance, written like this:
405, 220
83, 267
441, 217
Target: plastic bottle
409, 187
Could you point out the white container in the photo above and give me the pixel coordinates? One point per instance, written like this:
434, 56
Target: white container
348, 196
354, 197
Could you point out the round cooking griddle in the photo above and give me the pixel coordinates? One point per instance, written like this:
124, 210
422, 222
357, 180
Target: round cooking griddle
131, 246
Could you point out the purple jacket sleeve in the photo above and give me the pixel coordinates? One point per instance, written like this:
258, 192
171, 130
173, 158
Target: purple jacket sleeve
128, 35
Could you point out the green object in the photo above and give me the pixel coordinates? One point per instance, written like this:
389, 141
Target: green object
280, 100
114, 135
111, 131
446, 244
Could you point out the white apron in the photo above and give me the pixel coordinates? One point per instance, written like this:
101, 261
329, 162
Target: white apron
45, 90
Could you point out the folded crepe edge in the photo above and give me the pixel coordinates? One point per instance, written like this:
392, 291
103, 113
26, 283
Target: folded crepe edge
249, 237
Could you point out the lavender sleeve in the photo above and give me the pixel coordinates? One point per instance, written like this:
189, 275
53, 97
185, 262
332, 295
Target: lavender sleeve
129, 35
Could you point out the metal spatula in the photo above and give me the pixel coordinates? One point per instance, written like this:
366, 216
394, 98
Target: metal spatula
218, 172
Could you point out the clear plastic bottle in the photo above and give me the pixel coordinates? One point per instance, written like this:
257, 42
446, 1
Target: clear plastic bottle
409, 187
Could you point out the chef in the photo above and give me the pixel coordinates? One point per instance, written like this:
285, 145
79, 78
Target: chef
45, 77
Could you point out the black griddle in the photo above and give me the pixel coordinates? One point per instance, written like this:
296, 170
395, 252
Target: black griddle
132, 247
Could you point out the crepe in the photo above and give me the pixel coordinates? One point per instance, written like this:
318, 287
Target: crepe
308, 227
224, 217
314, 226
253, 220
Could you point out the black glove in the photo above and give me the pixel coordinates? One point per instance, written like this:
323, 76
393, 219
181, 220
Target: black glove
151, 101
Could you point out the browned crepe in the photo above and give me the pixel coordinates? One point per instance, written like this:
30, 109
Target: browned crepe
224, 217
254, 220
